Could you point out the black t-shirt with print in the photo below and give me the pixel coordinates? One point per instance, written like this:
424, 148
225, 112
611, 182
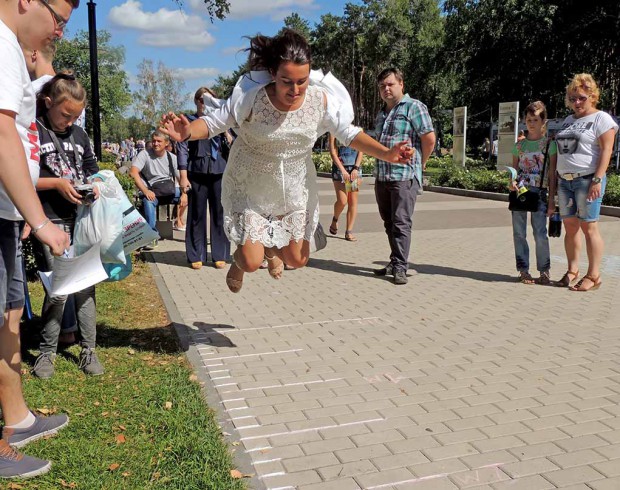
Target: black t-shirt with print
54, 205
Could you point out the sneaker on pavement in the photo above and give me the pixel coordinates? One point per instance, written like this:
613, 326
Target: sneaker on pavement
386, 271
89, 363
44, 365
18, 465
400, 277
42, 427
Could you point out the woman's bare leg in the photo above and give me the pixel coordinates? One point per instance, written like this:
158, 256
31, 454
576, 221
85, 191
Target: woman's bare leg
352, 210
296, 253
247, 258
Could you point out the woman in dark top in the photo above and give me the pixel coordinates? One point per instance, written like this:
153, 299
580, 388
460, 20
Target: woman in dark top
205, 161
67, 160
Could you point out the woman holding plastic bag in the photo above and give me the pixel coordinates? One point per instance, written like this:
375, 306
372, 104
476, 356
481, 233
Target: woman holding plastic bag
67, 163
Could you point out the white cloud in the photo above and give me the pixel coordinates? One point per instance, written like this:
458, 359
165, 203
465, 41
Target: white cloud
275, 9
197, 73
163, 28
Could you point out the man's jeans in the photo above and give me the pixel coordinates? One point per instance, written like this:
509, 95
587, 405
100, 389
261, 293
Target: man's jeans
396, 201
150, 207
539, 227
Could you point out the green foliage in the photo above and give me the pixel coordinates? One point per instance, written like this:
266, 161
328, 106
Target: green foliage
216, 9
161, 90
612, 191
114, 93
323, 163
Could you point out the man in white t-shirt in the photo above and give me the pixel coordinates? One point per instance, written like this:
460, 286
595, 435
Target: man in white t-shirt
37, 23
39, 65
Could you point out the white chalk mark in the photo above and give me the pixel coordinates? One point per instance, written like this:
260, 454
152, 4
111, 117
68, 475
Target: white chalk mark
254, 355
313, 429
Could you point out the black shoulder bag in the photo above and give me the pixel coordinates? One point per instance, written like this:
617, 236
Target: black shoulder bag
529, 201
165, 188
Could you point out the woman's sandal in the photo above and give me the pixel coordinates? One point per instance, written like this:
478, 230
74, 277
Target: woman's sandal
526, 278
566, 281
333, 228
233, 284
596, 283
349, 236
275, 265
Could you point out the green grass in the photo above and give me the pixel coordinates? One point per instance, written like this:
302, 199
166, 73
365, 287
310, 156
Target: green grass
146, 414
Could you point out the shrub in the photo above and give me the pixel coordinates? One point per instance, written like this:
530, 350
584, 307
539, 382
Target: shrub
612, 190
323, 163
108, 157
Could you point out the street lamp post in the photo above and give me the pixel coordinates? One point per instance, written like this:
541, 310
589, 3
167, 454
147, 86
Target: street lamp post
94, 77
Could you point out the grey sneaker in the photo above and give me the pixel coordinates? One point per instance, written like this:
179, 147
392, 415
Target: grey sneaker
44, 365
89, 363
400, 277
42, 427
386, 271
17, 465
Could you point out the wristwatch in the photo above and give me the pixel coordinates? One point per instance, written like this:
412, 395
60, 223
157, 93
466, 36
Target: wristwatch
596, 180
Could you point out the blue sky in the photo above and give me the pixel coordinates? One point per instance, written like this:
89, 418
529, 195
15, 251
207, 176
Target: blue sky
186, 40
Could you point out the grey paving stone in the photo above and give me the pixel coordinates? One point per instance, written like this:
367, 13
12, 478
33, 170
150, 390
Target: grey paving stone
431, 371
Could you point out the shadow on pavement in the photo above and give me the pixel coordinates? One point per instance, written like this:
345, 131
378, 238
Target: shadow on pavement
452, 272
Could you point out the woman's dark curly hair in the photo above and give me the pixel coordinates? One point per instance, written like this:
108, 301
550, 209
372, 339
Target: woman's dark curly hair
267, 53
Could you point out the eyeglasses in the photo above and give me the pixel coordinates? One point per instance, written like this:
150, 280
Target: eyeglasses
59, 22
581, 98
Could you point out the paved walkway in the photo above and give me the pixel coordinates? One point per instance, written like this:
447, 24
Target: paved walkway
334, 379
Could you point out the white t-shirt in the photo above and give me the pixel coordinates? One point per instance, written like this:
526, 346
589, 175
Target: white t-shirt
578, 147
37, 84
16, 95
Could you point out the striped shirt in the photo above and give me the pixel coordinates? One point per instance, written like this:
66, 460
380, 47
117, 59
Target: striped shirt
408, 120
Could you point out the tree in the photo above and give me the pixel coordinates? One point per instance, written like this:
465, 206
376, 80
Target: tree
215, 8
301, 26
114, 93
161, 91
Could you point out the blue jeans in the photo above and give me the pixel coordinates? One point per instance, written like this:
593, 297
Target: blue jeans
539, 227
150, 207
573, 198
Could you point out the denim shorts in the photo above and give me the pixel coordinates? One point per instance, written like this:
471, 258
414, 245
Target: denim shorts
11, 273
573, 198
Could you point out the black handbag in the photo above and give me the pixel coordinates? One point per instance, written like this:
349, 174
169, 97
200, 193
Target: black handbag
529, 201
165, 188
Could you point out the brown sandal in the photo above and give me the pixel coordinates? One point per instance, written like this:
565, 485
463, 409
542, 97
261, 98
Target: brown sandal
349, 236
333, 228
526, 278
566, 281
596, 283
544, 279
275, 265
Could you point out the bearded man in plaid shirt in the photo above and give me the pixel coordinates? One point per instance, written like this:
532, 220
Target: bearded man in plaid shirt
398, 185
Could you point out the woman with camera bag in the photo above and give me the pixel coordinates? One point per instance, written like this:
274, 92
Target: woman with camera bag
534, 158
67, 162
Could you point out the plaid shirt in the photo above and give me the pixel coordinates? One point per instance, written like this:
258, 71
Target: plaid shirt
408, 120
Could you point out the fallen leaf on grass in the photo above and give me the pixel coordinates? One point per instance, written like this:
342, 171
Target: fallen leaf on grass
193, 377
44, 411
97, 404
14, 486
120, 439
168, 405
131, 352
126, 473
68, 485
114, 466
122, 427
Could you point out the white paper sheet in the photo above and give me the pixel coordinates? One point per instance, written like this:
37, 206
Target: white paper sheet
73, 274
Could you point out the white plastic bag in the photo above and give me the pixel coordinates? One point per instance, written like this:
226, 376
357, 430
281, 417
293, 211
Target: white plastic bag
102, 221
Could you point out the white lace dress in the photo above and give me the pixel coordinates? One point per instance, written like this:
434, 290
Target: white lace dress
269, 190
